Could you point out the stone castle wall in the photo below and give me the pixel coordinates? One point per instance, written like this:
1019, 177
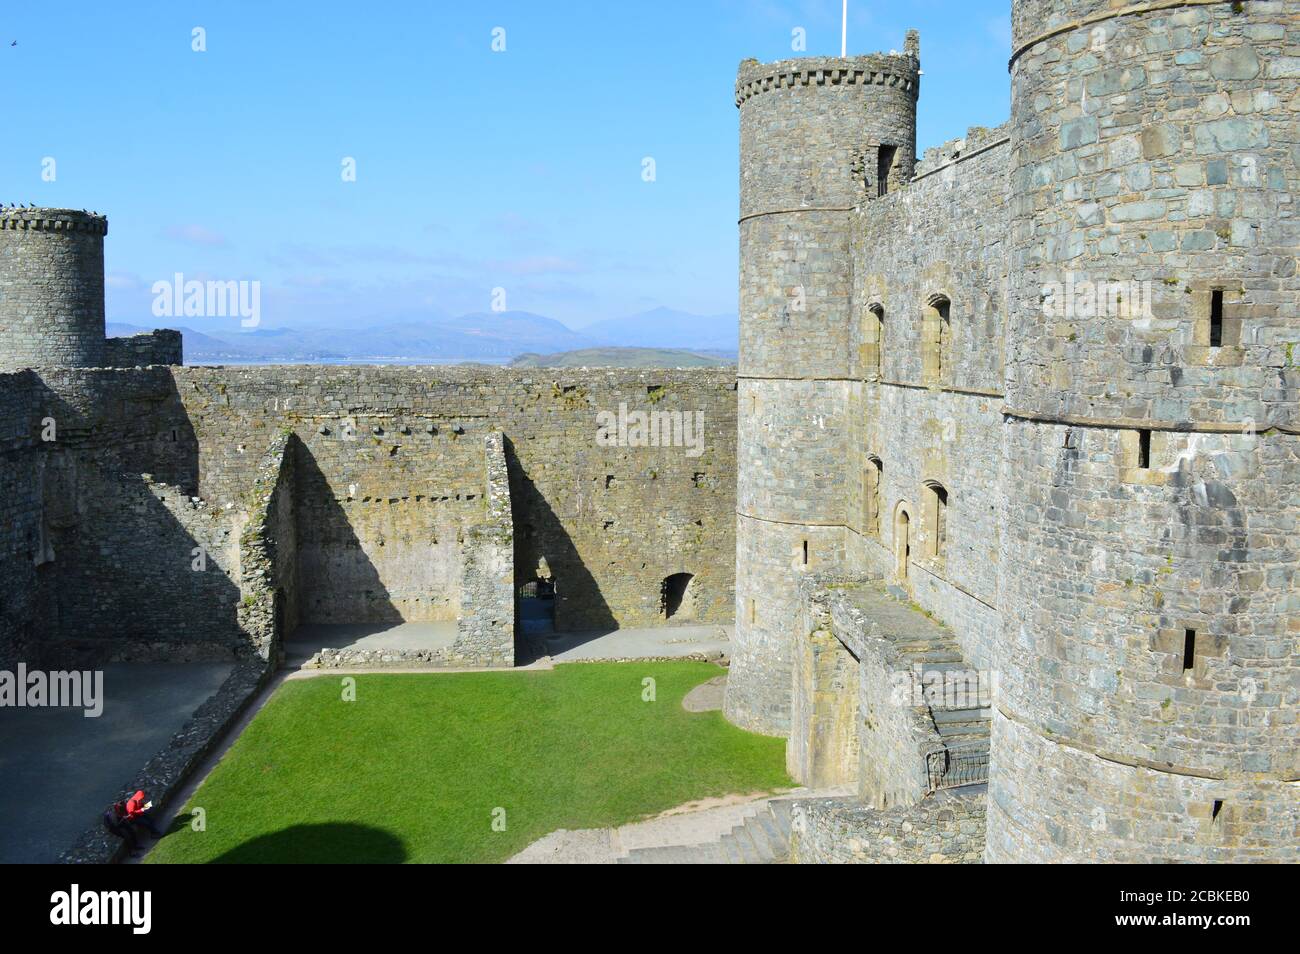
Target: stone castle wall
608, 522
943, 234
386, 507
22, 543
138, 351
946, 829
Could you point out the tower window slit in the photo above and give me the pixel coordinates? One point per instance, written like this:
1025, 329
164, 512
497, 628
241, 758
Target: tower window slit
1216, 318
1189, 649
1144, 449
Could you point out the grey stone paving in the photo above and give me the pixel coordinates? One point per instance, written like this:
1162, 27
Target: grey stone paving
649, 642
311, 638
707, 696
61, 769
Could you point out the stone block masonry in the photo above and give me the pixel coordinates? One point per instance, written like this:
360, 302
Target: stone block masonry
387, 510
51, 288
815, 137
945, 829
485, 629
391, 468
1051, 396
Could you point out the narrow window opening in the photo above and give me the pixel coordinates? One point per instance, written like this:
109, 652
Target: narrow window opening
884, 162
609, 481
752, 614
876, 362
936, 329
1189, 649
1214, 812
871, 496
941, 521
805, 553
936, 518
1144, 450
1216, 318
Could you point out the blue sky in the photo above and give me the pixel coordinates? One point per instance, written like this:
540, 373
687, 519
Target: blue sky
475, 169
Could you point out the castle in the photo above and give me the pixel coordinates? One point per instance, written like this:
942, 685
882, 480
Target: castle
1020, 414
1095, 498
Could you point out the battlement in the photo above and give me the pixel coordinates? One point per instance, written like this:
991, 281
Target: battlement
976, 140
899, 70
53, 220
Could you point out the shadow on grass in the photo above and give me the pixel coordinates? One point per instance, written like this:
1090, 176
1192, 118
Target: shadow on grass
333, 843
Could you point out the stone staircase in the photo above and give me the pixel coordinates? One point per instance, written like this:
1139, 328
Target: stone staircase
763, 838
965, 737
907, 638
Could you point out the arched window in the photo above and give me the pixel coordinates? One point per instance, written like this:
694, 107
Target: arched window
885, 157
936, 519
936, 333
872, 488
873, 341
902, 542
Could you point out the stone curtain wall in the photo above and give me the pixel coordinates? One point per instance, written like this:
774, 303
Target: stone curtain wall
22, 545
102, 472
944, 233
485, 631
112, 496
609, 523
125, 573
138, 351
51, 288
944, 829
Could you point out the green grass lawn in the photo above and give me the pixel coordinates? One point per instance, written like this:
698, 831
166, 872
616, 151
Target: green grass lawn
415, 768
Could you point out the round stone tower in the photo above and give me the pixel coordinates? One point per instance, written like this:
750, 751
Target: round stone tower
1150, 589
815, 136
51, 288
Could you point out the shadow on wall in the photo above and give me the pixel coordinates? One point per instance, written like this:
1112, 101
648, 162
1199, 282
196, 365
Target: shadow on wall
337, 581
135, 423
540, 535
128, 565
323, 844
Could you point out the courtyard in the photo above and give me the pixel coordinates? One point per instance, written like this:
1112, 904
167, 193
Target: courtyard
464, 767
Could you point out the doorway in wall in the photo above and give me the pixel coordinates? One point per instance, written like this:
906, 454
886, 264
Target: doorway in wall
537, 607
676, 599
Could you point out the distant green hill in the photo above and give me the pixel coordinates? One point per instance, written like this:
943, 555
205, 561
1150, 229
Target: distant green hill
624, 358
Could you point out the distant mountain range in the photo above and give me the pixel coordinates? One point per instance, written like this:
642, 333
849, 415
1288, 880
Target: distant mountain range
623, 358
494, 337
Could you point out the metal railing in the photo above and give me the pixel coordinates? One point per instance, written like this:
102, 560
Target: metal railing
950, 768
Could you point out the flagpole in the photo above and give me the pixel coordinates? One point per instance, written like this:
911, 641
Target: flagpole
844, 29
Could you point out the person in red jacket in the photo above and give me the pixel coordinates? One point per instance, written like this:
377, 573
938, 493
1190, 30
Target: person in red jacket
138, 813
124, 818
